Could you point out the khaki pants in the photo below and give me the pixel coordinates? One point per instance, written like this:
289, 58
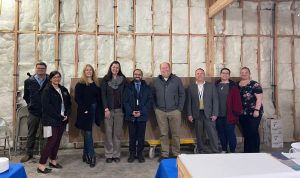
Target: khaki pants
113, 133
165, 121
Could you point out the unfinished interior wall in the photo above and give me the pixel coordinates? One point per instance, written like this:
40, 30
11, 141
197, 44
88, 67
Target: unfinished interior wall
143, 33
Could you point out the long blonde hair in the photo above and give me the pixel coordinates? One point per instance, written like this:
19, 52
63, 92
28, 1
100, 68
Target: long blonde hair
83, 79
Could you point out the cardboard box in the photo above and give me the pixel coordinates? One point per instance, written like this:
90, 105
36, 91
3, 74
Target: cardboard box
273, 133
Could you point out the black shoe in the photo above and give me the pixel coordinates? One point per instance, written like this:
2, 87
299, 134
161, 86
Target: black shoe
130, 159
93, 161
57, 166
45, 171
141, 159
108, 160
116, 160
25, 158
162, 158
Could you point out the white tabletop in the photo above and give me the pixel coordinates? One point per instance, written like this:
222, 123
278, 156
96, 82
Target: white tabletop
235, 165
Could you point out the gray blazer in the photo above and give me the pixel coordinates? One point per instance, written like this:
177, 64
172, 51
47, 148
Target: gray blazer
210, 100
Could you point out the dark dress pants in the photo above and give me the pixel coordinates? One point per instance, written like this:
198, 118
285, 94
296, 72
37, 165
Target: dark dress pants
136, 137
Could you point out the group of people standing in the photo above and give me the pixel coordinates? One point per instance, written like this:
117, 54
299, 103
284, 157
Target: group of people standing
216, 107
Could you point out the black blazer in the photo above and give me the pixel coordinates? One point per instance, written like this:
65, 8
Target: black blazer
51, 106
84, 120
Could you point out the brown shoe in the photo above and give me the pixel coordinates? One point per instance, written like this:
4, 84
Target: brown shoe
25, 158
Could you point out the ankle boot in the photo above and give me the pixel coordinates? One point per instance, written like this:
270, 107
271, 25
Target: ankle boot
93, 161
87, 158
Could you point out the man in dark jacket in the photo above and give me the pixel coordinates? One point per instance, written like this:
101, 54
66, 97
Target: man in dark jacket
137, 102
33, 87
169, 102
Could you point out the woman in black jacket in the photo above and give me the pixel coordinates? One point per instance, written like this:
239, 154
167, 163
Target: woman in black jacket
88, 99
56, 109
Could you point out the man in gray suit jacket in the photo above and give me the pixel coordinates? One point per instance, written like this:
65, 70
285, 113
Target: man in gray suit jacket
202, 108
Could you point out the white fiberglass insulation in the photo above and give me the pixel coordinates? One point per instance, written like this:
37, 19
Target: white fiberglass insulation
143, 53
233, 55
105, 53
87, 15
143, 16
180, 20
68, 16
198, 3
266, 27
47, 15
285, 106
297, 18
124, 49
161, 16
179, 49
106, 15
267, 5
234, 21
266, 48
181, 70
86, 51
67, 58
197, 54
284, 18
46, 51
6, 47
160, 52
197, 20
7, 17
218, 54
250, 21
218, 23
125, 16
269, 109
28, 14
297, 50
250, 55
297, 76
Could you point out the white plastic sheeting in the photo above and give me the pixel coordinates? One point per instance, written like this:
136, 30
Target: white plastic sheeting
87, 15
198, 3
266, 48
106, 15
47, 15
197, 20
161, 16
297, 76
284, 18
219, 63
105, 53
234, 22
68, 16
233, 55
7, 17
267, 5
6, 47
144, 16
125, 16
143, 53
250, 17
161, 52
28, 14
86, 51
197, 54
179, 49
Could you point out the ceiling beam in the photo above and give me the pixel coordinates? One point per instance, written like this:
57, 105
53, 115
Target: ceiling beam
218, 6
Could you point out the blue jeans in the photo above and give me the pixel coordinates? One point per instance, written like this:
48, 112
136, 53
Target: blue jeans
88, 135
226, 133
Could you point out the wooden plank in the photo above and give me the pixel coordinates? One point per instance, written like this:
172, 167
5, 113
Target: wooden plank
218, 6
15, 69
210, 60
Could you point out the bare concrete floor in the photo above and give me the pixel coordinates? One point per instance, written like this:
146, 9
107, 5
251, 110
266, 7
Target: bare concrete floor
73, 167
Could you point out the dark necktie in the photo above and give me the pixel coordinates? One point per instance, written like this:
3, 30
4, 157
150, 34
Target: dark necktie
137, 87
